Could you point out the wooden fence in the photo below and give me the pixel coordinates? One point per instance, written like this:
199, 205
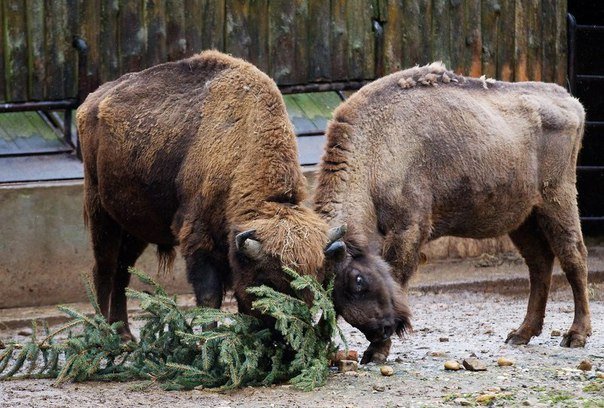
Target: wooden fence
294, 41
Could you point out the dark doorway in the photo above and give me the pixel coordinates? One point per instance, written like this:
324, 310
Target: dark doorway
586, 82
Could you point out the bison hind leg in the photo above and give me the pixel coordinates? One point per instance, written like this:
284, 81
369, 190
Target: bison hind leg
561, 225
535, 249
131, 249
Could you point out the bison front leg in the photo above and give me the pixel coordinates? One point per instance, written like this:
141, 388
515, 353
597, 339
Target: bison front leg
206, 280
377, 352
534, 248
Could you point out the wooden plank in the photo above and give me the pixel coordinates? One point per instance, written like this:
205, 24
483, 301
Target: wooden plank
155, 22
193, 20
246, 31
282, 41
505, 42
548, 49
521, 25
299, 71
176, 41
339, 41
110, 67
89, 28
489, 15
2, 57
56, 24
16, 74
411, 35
393, 16
440, 37
70, 81
302, 124
458, 36
561, 49
535, 53
131, 41
319, 36
361, 41
473, 51
37, 54
213, 24
326, 101
425, 30
312, 110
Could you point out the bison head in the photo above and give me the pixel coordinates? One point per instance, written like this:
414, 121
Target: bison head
293, 237
366, 295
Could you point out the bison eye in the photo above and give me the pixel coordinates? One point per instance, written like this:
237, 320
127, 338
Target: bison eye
359, 283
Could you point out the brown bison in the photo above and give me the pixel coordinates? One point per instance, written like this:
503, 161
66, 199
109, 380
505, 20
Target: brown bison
424, 153
197, 153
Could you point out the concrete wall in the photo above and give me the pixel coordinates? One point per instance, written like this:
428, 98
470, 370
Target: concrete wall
44, 247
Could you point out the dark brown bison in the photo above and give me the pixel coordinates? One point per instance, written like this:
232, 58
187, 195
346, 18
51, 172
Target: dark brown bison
424, 153
197, 153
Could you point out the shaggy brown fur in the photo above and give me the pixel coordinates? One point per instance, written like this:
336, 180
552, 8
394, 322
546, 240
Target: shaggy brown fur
424, 153
192, 153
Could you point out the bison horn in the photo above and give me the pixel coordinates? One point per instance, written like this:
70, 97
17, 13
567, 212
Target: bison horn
336, 250
247, 245
336, 233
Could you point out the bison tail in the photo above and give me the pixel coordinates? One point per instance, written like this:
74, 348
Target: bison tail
165, 255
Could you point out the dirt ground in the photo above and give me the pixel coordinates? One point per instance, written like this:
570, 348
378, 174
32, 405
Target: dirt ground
448, 326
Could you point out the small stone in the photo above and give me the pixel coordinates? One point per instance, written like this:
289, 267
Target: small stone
443, 339
351, 373
600, 374
474, 364
344, 355
24, 332
2, 344
493, 389
386, 371
529, 402
504, 362
347, 365
585, 365
437, 353
485, 399
462, 401
378, 387
555, 333
452, 365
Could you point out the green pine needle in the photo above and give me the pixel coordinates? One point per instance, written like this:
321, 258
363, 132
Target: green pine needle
175, 351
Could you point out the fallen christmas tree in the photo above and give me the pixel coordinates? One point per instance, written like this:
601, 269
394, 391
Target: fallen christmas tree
176, 353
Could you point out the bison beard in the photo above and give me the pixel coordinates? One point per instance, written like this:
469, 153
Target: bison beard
197, 153
463, 157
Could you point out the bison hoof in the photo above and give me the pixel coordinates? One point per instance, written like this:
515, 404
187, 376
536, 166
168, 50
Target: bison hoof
126, 336
371, 357
516, 340
573, 340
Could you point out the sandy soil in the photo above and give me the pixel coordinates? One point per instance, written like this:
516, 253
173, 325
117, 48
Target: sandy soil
544, 374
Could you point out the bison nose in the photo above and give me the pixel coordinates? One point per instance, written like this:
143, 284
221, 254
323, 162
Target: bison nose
388, 331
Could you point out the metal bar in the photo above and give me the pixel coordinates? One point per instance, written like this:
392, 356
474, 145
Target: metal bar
585, 27
44, 153
590, 77
590, 168
596, 218
594, 123
313, 133
323, 87
41, 105
571, 41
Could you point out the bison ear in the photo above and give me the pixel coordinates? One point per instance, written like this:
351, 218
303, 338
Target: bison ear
247, 245
336, 233
336, 251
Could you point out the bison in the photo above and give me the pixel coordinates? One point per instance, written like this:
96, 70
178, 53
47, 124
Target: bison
197, 153
424, 153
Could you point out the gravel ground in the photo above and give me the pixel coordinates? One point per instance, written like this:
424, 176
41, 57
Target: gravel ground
448, 326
